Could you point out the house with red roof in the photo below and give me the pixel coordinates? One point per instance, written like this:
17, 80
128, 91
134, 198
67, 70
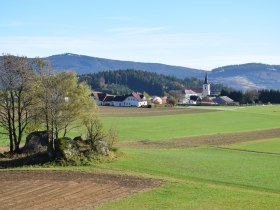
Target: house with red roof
134, 99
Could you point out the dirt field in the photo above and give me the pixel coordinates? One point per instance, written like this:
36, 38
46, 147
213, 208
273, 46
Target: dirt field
4, 149
65, 189
134, 111
215, 140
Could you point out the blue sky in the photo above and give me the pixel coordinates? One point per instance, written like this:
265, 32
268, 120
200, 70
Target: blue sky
194, 33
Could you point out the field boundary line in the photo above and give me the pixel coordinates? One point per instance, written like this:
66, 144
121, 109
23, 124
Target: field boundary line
246, 150
218, 139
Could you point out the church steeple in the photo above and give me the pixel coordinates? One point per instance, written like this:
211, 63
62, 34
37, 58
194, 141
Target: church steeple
206, 87
206, 79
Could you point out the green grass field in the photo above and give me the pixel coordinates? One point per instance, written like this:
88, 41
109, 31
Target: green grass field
237, 176
183, 125
218, 165
187, 195
267, 145
203, 177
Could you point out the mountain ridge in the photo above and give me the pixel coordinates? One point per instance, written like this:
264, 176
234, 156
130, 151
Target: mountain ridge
241, 76
83, 64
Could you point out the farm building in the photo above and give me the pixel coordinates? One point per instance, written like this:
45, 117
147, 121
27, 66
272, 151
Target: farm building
156, 100
99, 97
185, 95
164, 100
133, 99
201, 96
224, 100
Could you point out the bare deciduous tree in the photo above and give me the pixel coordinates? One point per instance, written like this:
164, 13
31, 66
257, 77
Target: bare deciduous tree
15, 98
61, 99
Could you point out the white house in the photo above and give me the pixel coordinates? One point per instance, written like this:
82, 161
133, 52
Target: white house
186, 96
133, 99
190, 97
99, 98
224, 100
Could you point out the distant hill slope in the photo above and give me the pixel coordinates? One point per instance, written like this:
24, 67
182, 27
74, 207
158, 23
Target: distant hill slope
248, 76
124, 81
86, 64
242, 77
245, 76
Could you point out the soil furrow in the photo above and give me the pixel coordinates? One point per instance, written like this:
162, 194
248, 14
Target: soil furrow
213, 140
66, 189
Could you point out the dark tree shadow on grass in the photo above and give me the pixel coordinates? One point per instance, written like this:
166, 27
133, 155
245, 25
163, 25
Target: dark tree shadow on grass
36, 159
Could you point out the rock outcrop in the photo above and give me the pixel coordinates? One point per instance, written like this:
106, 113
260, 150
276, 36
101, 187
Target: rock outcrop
36, 142
101, 147
65, 148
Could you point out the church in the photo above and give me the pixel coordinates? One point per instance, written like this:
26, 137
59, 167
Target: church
206, 87
204, 97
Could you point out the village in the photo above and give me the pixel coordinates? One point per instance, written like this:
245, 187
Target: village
184, 97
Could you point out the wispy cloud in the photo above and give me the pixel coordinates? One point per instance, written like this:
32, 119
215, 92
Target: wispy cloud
205, 51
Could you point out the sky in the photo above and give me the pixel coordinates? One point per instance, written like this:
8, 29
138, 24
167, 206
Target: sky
202, 34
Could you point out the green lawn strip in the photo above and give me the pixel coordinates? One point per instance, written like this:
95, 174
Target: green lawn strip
273, 110
183, 195
200, 178
209, 164
266, 145
229, 108
184, 125
4, 140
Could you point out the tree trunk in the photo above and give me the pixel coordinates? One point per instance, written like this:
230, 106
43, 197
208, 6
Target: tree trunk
16, 147
19, 120
52, 140
13, 122
11, 144
10, 131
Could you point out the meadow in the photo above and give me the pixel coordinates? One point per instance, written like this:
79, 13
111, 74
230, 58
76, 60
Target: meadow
183, 125
266, 145
211, 175
242, 175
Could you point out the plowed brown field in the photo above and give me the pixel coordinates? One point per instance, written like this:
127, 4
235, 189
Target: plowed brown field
110, 111
66, 189
213, 140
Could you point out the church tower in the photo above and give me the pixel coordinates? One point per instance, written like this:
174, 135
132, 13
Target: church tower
206, 87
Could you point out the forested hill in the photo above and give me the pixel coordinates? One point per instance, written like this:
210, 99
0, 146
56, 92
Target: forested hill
242, 77
125, 81
82, 64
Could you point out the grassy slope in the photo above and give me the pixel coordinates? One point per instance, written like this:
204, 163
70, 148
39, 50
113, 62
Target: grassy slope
205, 178
218, 165
175, 126
197, 196
200, 178
267, 145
